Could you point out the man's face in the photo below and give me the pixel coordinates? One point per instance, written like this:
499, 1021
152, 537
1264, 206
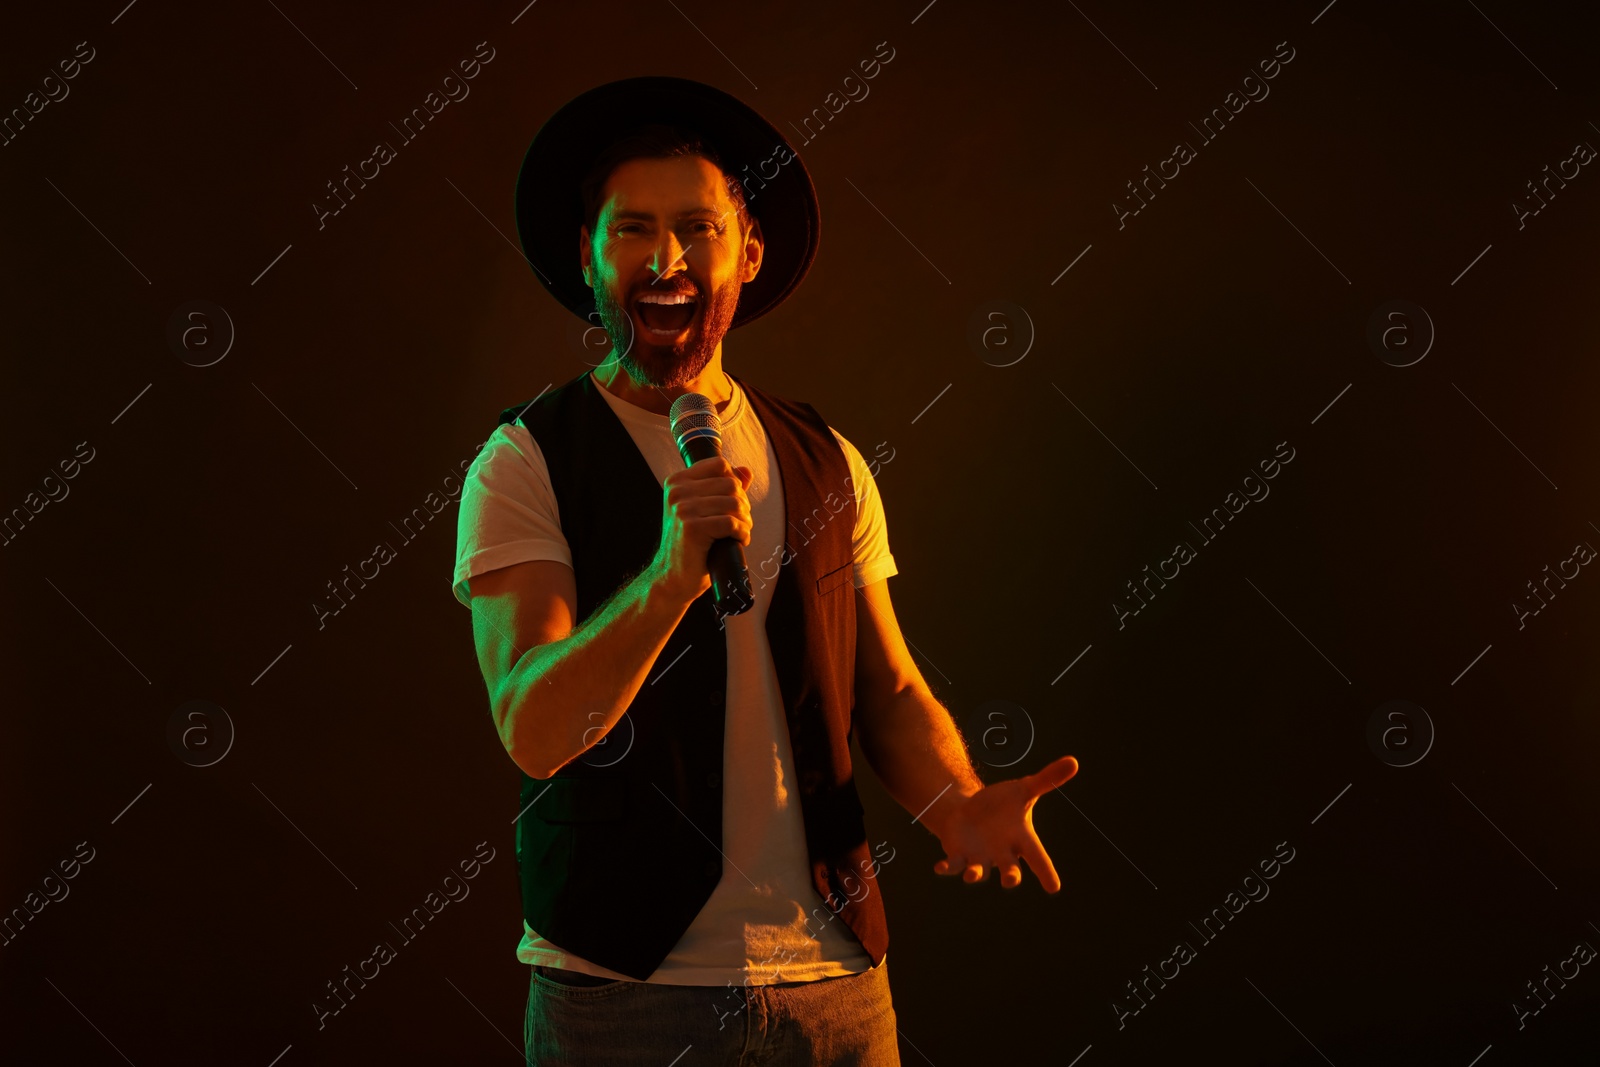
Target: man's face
667, 230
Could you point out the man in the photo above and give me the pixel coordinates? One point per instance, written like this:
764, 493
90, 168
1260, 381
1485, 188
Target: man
695, 868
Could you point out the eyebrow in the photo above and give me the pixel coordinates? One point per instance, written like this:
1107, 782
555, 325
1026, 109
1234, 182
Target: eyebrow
645, 216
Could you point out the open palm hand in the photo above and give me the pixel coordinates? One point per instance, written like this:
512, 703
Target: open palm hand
994, 828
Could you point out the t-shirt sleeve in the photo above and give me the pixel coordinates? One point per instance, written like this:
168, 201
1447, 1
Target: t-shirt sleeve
871, 556
508, 511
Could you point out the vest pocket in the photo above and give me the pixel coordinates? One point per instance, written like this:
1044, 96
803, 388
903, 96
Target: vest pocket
835, 578
582, 800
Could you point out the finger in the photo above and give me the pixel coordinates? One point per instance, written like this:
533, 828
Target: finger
700, 499
708, 465
716, 527
717, 466
1011, 877
1043, 869
715, 524
714, 506
949, 865
719, 485
975, 873
1057, 772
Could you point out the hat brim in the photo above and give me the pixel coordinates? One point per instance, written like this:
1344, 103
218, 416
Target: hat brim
549, 204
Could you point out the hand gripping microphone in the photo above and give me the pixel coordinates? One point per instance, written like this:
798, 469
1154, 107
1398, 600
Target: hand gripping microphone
698, 432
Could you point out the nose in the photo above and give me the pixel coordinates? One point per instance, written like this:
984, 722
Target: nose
669, 253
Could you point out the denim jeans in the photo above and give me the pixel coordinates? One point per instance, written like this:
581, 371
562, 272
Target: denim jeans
829, 1021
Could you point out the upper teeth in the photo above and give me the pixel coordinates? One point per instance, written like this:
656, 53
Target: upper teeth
666, 298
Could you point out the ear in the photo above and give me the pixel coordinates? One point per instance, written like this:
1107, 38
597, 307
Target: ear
585, 255
754, 246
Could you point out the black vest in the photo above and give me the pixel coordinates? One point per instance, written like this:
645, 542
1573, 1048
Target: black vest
620, 849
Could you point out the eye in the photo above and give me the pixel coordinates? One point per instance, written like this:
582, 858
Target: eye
625, 227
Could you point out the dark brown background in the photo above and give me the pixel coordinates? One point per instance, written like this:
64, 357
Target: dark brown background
1220, 321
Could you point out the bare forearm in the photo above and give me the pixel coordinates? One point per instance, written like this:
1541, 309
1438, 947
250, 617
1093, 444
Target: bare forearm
561, 698
916, 751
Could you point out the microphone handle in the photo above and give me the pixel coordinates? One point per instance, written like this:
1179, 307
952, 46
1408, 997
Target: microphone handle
730, 581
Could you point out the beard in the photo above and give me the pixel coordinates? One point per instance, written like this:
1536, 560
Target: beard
675, 363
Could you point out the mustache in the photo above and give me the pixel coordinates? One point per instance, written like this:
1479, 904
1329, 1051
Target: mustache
686, 287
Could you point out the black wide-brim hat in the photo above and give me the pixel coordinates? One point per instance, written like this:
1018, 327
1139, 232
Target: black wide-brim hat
549, 205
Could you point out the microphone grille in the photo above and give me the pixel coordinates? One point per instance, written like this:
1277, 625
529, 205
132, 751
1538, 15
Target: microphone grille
690, 402
693, 411
693, 417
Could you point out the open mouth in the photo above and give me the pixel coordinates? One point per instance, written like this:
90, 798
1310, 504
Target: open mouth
665, 315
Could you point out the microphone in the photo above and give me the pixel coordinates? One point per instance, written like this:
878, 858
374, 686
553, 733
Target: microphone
698, 432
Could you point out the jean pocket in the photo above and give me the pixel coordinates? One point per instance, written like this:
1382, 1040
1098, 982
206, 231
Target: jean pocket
554, 980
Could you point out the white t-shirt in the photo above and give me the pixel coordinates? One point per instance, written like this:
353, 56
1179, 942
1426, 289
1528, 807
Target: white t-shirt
753, 929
